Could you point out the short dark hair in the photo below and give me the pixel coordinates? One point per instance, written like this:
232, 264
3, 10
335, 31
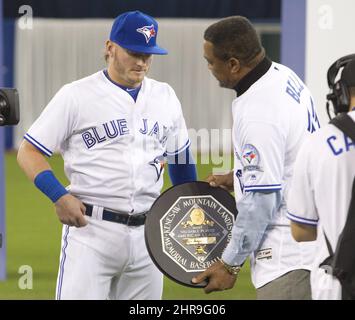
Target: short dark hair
234, 37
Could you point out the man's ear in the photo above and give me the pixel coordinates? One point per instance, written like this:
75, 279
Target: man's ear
234, 65
109, 48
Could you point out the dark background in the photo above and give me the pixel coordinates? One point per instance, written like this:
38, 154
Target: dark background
253, 9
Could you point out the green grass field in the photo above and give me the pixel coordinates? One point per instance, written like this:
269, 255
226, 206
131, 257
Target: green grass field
33, 235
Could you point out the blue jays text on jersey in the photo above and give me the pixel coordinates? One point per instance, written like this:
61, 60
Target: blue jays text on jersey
119, 127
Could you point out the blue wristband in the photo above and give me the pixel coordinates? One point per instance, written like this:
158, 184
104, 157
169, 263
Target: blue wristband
49, 185
182, 167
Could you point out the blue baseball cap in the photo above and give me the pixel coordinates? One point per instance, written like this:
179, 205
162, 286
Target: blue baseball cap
137, 32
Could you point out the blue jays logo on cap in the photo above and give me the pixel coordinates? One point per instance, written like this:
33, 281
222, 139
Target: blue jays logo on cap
147, 31
136, 32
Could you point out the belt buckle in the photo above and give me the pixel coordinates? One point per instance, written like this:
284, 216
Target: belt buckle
129, 220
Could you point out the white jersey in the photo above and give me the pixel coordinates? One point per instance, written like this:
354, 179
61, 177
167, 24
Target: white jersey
270, 121
320, 195
112, 147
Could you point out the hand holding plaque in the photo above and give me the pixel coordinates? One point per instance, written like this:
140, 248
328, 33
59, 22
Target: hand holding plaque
187, 229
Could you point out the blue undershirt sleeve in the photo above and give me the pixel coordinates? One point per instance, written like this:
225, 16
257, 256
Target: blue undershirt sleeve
182, 167
255, 212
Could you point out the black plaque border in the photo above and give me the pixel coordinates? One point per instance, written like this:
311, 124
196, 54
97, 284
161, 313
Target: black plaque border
162, 204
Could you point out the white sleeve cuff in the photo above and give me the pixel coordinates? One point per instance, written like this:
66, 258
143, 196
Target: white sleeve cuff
302, 220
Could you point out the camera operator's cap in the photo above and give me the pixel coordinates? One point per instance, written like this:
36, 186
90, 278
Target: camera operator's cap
137, 32
348, 74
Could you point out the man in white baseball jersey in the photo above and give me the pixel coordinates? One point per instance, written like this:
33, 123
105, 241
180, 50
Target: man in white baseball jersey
320, 192
114, 129
272, 114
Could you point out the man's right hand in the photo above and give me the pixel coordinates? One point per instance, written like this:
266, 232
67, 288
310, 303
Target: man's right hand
224, 181
71, 211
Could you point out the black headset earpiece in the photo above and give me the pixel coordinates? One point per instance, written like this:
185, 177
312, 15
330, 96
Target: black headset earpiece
339, 93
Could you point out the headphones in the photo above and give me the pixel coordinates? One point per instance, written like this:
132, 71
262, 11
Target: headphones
339, 93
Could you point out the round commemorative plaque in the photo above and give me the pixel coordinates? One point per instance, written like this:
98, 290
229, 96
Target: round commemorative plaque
187, 229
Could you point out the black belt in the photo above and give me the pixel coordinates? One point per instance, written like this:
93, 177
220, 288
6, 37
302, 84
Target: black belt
119, 217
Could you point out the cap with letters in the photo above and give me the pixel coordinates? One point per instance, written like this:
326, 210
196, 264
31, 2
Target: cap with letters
136, 32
